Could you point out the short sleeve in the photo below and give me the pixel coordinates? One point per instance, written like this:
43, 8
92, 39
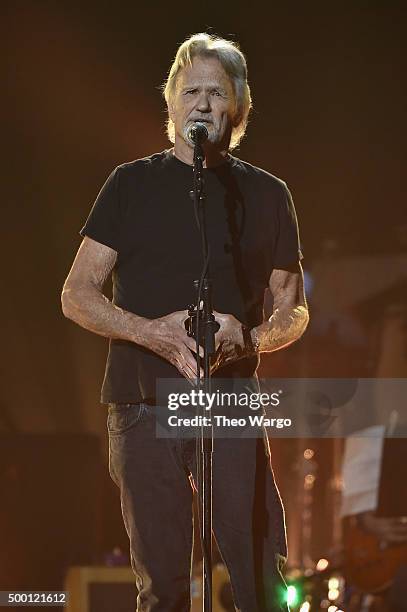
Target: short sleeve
287, 246
103, 223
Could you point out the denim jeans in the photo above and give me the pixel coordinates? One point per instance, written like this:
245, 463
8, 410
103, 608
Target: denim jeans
157, 477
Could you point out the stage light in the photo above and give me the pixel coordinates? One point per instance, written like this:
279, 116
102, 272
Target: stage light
305, 607
309, 481
292, 595
333, 594
333, 583
322, 565
332, 609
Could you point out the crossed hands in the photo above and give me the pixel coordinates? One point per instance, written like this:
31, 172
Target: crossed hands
167, 337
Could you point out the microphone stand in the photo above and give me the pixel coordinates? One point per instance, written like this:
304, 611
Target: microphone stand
202, 326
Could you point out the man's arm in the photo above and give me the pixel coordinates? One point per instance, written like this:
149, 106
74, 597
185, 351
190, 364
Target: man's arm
83, 301
290, 312
287, 323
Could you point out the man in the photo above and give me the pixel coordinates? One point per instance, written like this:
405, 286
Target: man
142, 227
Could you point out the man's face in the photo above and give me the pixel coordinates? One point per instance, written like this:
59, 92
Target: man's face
204, 93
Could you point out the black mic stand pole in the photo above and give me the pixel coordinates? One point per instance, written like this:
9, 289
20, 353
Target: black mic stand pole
202, 326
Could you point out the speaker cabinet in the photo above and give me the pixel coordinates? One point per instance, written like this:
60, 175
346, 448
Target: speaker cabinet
100, 589
104, 589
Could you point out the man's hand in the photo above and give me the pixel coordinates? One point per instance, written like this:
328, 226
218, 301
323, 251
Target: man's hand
229, 341
168, 338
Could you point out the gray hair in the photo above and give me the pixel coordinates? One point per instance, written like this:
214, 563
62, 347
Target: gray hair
234, 64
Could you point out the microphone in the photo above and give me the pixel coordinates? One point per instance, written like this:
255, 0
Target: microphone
197, 133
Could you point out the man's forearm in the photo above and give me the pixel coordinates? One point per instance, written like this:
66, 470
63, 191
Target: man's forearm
166, 336
284, 327
89, 308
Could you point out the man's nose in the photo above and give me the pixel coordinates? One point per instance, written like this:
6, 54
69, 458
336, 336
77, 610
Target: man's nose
203, 104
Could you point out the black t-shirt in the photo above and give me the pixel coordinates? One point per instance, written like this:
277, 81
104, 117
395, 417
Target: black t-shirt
144, 212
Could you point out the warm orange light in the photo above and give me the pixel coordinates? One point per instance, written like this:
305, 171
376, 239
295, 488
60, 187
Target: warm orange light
333, 594
322, 565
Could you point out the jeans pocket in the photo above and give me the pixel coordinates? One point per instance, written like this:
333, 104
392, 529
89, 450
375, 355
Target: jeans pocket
123, 417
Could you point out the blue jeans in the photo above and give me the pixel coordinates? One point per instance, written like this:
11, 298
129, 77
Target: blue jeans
155, 478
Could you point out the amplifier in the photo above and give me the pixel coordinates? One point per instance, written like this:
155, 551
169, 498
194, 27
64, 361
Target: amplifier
103, 589
100, 589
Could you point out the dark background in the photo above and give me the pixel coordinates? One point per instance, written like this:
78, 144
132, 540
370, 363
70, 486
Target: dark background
82, 96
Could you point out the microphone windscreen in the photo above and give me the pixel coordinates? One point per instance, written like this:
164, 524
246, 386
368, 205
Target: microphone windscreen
198, 132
